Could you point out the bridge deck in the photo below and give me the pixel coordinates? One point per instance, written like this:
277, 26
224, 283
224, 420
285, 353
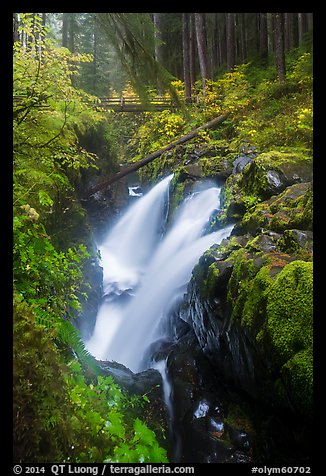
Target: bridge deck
123, 104
133, 104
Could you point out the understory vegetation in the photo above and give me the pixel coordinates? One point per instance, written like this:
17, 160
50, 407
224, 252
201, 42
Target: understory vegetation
64, 409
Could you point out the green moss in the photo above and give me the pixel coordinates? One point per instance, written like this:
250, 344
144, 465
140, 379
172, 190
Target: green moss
206, 273
210, 282
254, 308
245, 268
273, 297
178, 188
289, 243
238, 417
297, 374
293, 208
289, 310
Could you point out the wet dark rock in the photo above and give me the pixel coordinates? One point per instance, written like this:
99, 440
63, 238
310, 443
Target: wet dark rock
159, 350
104, 206
201, 409
216, 427
147, 382
292, 240
194, 170
85, 322
276, 182
239, 438
240, 162
198, 399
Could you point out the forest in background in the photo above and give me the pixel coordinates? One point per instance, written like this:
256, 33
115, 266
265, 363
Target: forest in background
258, 66
186, 45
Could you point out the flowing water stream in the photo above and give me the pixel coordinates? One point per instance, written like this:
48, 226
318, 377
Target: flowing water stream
146, 271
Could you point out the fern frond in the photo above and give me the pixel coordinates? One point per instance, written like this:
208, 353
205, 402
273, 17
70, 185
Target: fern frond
70, 336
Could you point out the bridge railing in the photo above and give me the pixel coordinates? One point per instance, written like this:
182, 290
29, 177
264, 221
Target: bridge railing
123, 103
134, 102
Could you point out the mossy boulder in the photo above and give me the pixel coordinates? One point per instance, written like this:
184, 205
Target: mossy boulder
288, 330
271, 172
291, 209
263, 177
250, 305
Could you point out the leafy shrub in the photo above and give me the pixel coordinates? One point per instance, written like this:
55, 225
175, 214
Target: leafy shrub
60, 417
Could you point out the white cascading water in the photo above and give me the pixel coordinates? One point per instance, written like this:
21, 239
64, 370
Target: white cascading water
144, 273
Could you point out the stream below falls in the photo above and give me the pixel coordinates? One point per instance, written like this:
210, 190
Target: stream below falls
146, 272
147, 264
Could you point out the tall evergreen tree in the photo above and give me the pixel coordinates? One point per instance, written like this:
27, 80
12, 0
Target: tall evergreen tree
279, 45
186, 55
230, 41
202, 47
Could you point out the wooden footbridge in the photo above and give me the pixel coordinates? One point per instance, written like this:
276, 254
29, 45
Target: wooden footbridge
134, 104
118, 104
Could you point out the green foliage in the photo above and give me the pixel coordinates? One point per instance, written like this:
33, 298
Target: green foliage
160, 129
60, 417
48, 117
43, 276
41, 410
132, 37
111, 432
263, 113
280, 114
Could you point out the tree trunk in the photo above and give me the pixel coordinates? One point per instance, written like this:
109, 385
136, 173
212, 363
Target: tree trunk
202, 48
186, 55
279, 45
158, 49
71, 29
292, 24
95, 57
263, 39
270, 32
65, 22
242, 27
15, 27
223, 39
230, 41
303, 25
192, 51
133, 167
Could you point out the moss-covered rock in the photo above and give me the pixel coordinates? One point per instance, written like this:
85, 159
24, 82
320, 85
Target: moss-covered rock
271, 172
289, 311
290, 209
250, 305
263, 177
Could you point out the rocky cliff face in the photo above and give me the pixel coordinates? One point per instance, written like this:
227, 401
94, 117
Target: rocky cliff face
249, 302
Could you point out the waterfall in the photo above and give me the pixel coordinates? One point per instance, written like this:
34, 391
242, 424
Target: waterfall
145, 273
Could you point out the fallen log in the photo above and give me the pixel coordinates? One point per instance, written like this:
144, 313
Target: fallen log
137, 165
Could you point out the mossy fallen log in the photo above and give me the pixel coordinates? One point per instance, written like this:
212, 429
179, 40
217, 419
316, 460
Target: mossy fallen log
137, 165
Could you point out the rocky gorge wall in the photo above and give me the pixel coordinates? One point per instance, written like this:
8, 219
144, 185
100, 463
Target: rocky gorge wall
244, 331
249, 302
